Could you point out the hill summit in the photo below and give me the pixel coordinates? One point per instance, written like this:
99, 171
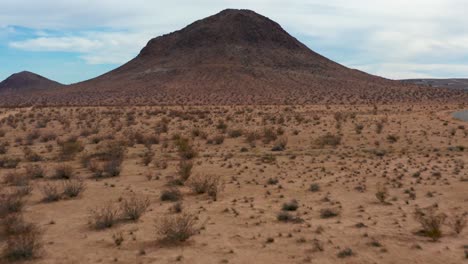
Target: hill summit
236, 57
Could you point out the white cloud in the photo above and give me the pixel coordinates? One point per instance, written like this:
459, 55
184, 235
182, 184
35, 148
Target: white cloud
95, 47
414, 71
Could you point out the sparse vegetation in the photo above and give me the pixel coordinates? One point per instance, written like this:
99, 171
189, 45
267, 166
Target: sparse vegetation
431, 222
177, 228
134, 207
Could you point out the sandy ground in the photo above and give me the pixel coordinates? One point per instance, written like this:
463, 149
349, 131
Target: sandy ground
242, 226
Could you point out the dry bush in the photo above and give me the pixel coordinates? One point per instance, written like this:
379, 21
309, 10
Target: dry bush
9, 163
14, 224
10, 203
31, 156
34, 171
3, 148
172, 195
17, 179
328, 140
63, 172
269, 135
103, 217
290, 206
69, 149
118, 238
285, 216
185, 149
50, 193
73, 188
328, 213
314, 187
185, 169
133, 208
235, 133
23, 246
106, 161
147, 157
392, 138
458, 223
48, 137
280, 144
216, 140
382, 193
251, 137
431, 222
210, 184
177, 228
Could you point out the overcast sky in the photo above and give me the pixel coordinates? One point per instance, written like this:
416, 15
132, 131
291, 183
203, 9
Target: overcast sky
74, 40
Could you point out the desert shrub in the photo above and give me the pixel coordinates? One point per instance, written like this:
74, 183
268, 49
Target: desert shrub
103, 217
63, 172
251, 137
430, 221
379, 127
458, 223
73, 188
285, 216
328, 140
147, 157
358, 128
392, 138
382, 193
176, 208
209, 184
162, 126
11, 203
216, 140
280, 144
269, 135
9, 163
347, 252
17, 179
328, 213
118, 238
272, 181
314, 187
268, 158
290, 206
185, 169
23, 246
177, 228
31, 156
48, 137
50, 193
185, 149
134, 207
69, 149
221, 125
196, 132
235, 133
172, 195
14, 224
3, 148
112, 168
34, 171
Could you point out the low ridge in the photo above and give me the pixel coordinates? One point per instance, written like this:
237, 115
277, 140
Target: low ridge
26, 81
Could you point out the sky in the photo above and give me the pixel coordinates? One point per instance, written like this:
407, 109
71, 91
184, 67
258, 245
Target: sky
74, 40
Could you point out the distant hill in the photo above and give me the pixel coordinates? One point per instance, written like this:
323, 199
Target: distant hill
233, 57
441, 83
26, 82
